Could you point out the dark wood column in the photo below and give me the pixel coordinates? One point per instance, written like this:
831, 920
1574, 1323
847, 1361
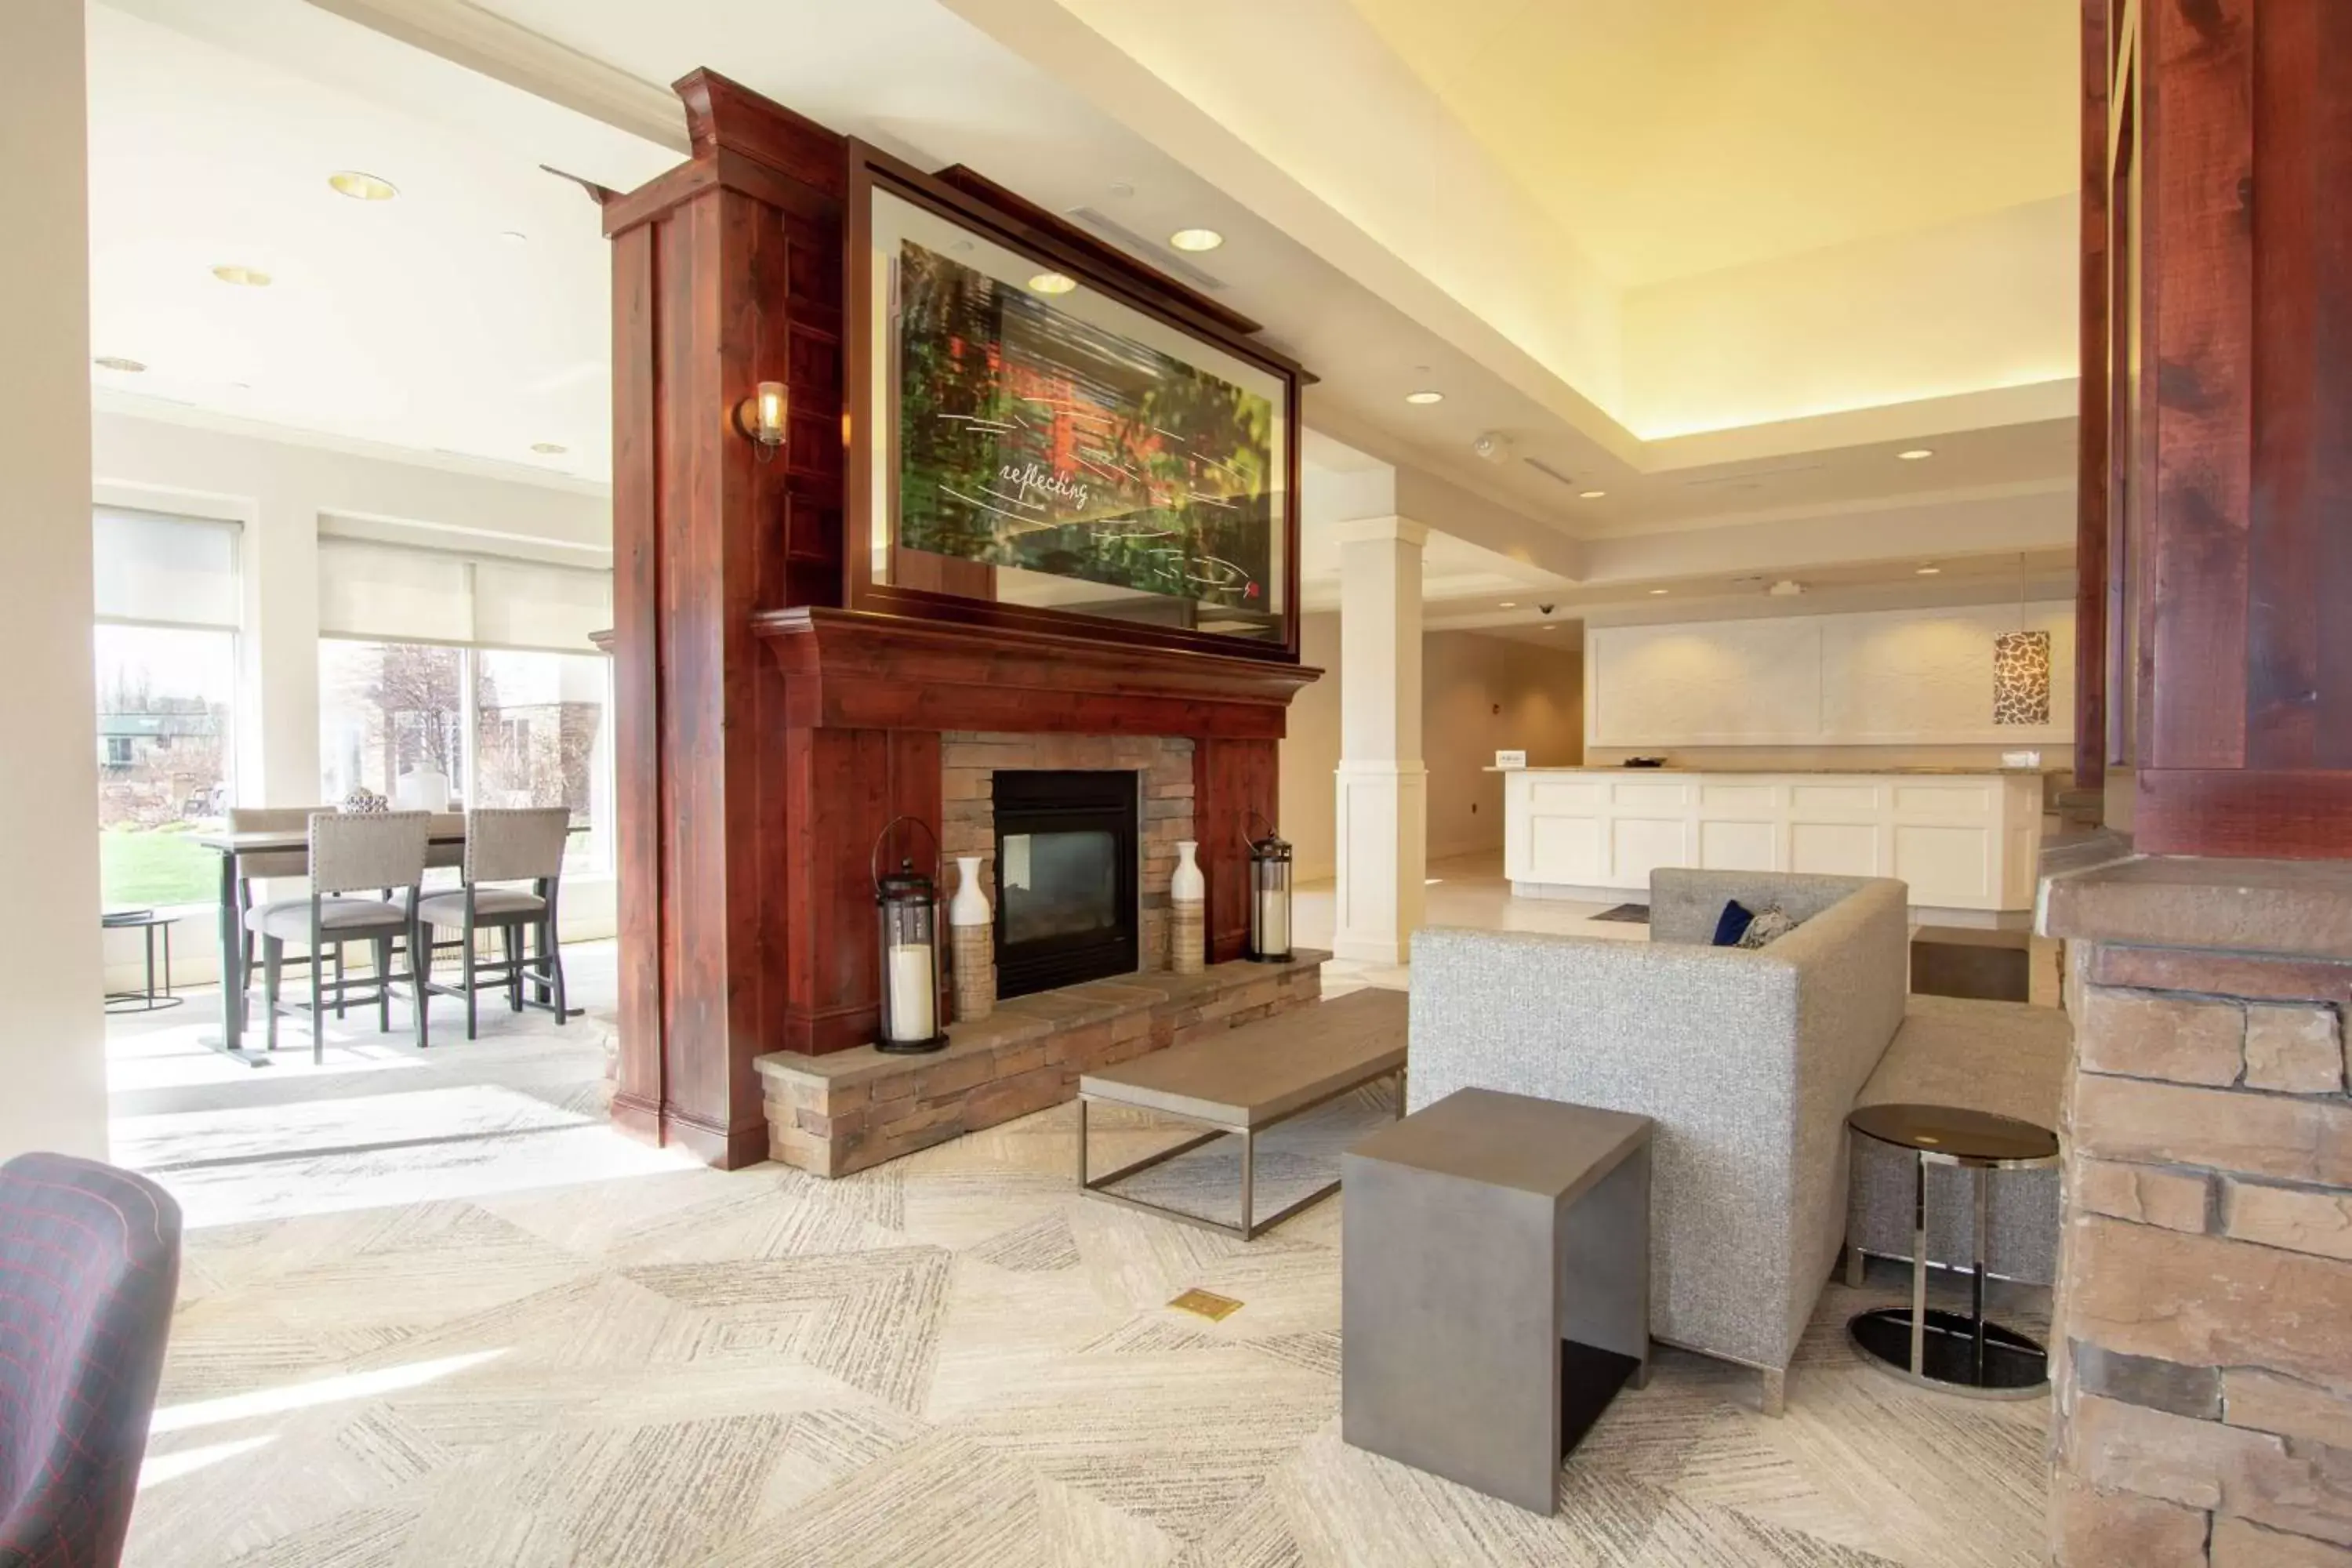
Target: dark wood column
726, 272
2231, 160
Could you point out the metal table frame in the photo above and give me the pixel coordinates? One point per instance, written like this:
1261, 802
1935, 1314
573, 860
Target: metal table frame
1983, 1333
1251, 1227
236, 1008
120, 1004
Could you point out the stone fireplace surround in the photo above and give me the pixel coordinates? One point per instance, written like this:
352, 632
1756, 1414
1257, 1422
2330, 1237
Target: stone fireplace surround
969, 760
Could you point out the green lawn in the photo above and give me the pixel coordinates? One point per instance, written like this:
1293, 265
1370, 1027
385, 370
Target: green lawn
156, 868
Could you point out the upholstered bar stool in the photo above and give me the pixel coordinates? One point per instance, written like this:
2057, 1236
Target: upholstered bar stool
348, 854
523, 845
270, 863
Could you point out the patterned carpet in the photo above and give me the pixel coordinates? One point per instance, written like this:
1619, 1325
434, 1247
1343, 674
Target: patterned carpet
435, 1314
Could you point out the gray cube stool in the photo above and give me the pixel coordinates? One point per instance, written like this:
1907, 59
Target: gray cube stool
1495, 1286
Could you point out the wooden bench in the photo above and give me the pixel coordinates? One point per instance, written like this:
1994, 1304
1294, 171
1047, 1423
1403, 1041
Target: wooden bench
1245, 1081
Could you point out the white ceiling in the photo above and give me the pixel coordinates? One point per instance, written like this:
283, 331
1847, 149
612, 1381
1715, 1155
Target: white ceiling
409, 323
1674, 137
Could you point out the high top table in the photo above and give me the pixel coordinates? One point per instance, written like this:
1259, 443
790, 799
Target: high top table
448, 831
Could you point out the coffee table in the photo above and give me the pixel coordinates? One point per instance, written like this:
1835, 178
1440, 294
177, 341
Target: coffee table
1242, 1082
1937, 1348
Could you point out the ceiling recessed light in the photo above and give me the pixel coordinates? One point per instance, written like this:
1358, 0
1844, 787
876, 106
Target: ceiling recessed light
514, 237
1656, 592
1915, 453
1508, 604
1424, 396
1196, 239
1930, 571
1052, 283
243, 276
361, 187
116, 362
1591, 495
551, 448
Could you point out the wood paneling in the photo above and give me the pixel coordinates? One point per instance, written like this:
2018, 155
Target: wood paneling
847, 786
2091, 457
726, 273
847, 667
766, 735
1235, 790
2238, 500
637, 674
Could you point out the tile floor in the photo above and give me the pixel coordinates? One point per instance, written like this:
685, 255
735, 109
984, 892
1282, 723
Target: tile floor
434, 1312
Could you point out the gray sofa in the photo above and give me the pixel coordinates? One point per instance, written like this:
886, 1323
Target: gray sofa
1749, 1062
2002, 1057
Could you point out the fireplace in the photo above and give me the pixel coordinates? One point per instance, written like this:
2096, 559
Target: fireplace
1065, 874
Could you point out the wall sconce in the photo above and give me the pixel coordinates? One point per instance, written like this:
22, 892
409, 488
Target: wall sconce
762, 415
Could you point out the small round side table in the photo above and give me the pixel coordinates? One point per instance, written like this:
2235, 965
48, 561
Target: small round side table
147, 922
1937, 1348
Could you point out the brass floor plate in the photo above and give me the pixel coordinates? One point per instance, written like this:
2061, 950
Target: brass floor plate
1206, 1304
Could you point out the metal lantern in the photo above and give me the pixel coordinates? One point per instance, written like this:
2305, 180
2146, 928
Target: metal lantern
1269, 928
908, 905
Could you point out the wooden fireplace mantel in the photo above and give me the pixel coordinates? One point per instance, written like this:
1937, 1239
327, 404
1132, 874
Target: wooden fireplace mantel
765, 737
850, 669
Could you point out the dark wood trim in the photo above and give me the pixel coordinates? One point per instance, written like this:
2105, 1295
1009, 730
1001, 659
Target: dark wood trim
1043, 227
2199, 184
723, 115
857, 670
727, 1148
2239, 812
1133, 284
1235, 787
635, 647
2091, 460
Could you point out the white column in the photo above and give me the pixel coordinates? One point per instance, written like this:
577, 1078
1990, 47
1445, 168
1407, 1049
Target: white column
52, 1026
1383, 826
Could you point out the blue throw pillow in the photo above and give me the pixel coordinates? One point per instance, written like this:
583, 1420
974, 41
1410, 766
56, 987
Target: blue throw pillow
1732, 924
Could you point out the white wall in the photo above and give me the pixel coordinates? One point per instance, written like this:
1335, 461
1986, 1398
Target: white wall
1485, 694
52, 1032
1465, 678
279, 490
1882, 679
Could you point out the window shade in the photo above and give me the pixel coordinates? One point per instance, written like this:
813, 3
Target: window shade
154, 570
519, 603
387, 593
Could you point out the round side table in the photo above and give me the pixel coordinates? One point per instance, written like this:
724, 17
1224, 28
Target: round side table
147, 922
1937, 1348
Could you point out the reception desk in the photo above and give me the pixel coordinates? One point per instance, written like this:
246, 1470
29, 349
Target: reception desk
1963, 840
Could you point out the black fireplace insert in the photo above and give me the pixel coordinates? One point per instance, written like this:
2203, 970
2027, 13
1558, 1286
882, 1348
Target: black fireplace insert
1065, 879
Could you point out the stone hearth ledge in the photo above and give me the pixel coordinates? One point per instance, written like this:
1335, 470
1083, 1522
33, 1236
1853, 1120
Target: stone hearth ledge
847, 1110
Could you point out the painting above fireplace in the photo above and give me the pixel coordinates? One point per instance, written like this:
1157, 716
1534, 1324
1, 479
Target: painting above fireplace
1066, 858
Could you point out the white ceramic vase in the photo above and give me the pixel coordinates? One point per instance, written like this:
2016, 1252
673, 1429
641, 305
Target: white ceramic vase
969, 906
1188, 916
1187, 886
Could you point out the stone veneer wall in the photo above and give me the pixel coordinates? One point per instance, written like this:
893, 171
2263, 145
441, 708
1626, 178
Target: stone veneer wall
842, 1112
969, 760
2204, 1314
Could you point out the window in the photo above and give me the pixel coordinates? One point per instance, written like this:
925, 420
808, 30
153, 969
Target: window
167, 606
473, 668
389, 709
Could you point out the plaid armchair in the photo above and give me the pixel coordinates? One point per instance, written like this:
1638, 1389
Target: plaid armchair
89, 1269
